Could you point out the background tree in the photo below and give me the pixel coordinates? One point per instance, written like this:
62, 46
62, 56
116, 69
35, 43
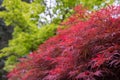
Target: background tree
62, 9
26, 36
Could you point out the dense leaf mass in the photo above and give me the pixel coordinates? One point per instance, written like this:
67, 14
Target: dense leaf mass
88, 49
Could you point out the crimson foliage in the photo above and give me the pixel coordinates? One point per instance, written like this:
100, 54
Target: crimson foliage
88, 50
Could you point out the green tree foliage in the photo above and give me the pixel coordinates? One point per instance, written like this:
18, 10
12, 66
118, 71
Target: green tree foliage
21, 13
25, 42
26, 36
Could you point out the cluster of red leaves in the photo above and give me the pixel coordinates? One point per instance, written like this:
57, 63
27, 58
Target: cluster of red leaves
80, 14
87, 50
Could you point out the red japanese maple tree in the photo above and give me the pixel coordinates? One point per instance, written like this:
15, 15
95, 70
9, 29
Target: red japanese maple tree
88, 49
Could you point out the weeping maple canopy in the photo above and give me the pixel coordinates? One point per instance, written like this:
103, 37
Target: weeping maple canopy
87, 49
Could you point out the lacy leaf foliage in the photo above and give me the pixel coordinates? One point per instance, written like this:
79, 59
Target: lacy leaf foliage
87, 49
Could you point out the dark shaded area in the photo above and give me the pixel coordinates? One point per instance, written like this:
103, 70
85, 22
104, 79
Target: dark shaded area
2, 72
28, 1
1, 2
1, 8
5, 36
